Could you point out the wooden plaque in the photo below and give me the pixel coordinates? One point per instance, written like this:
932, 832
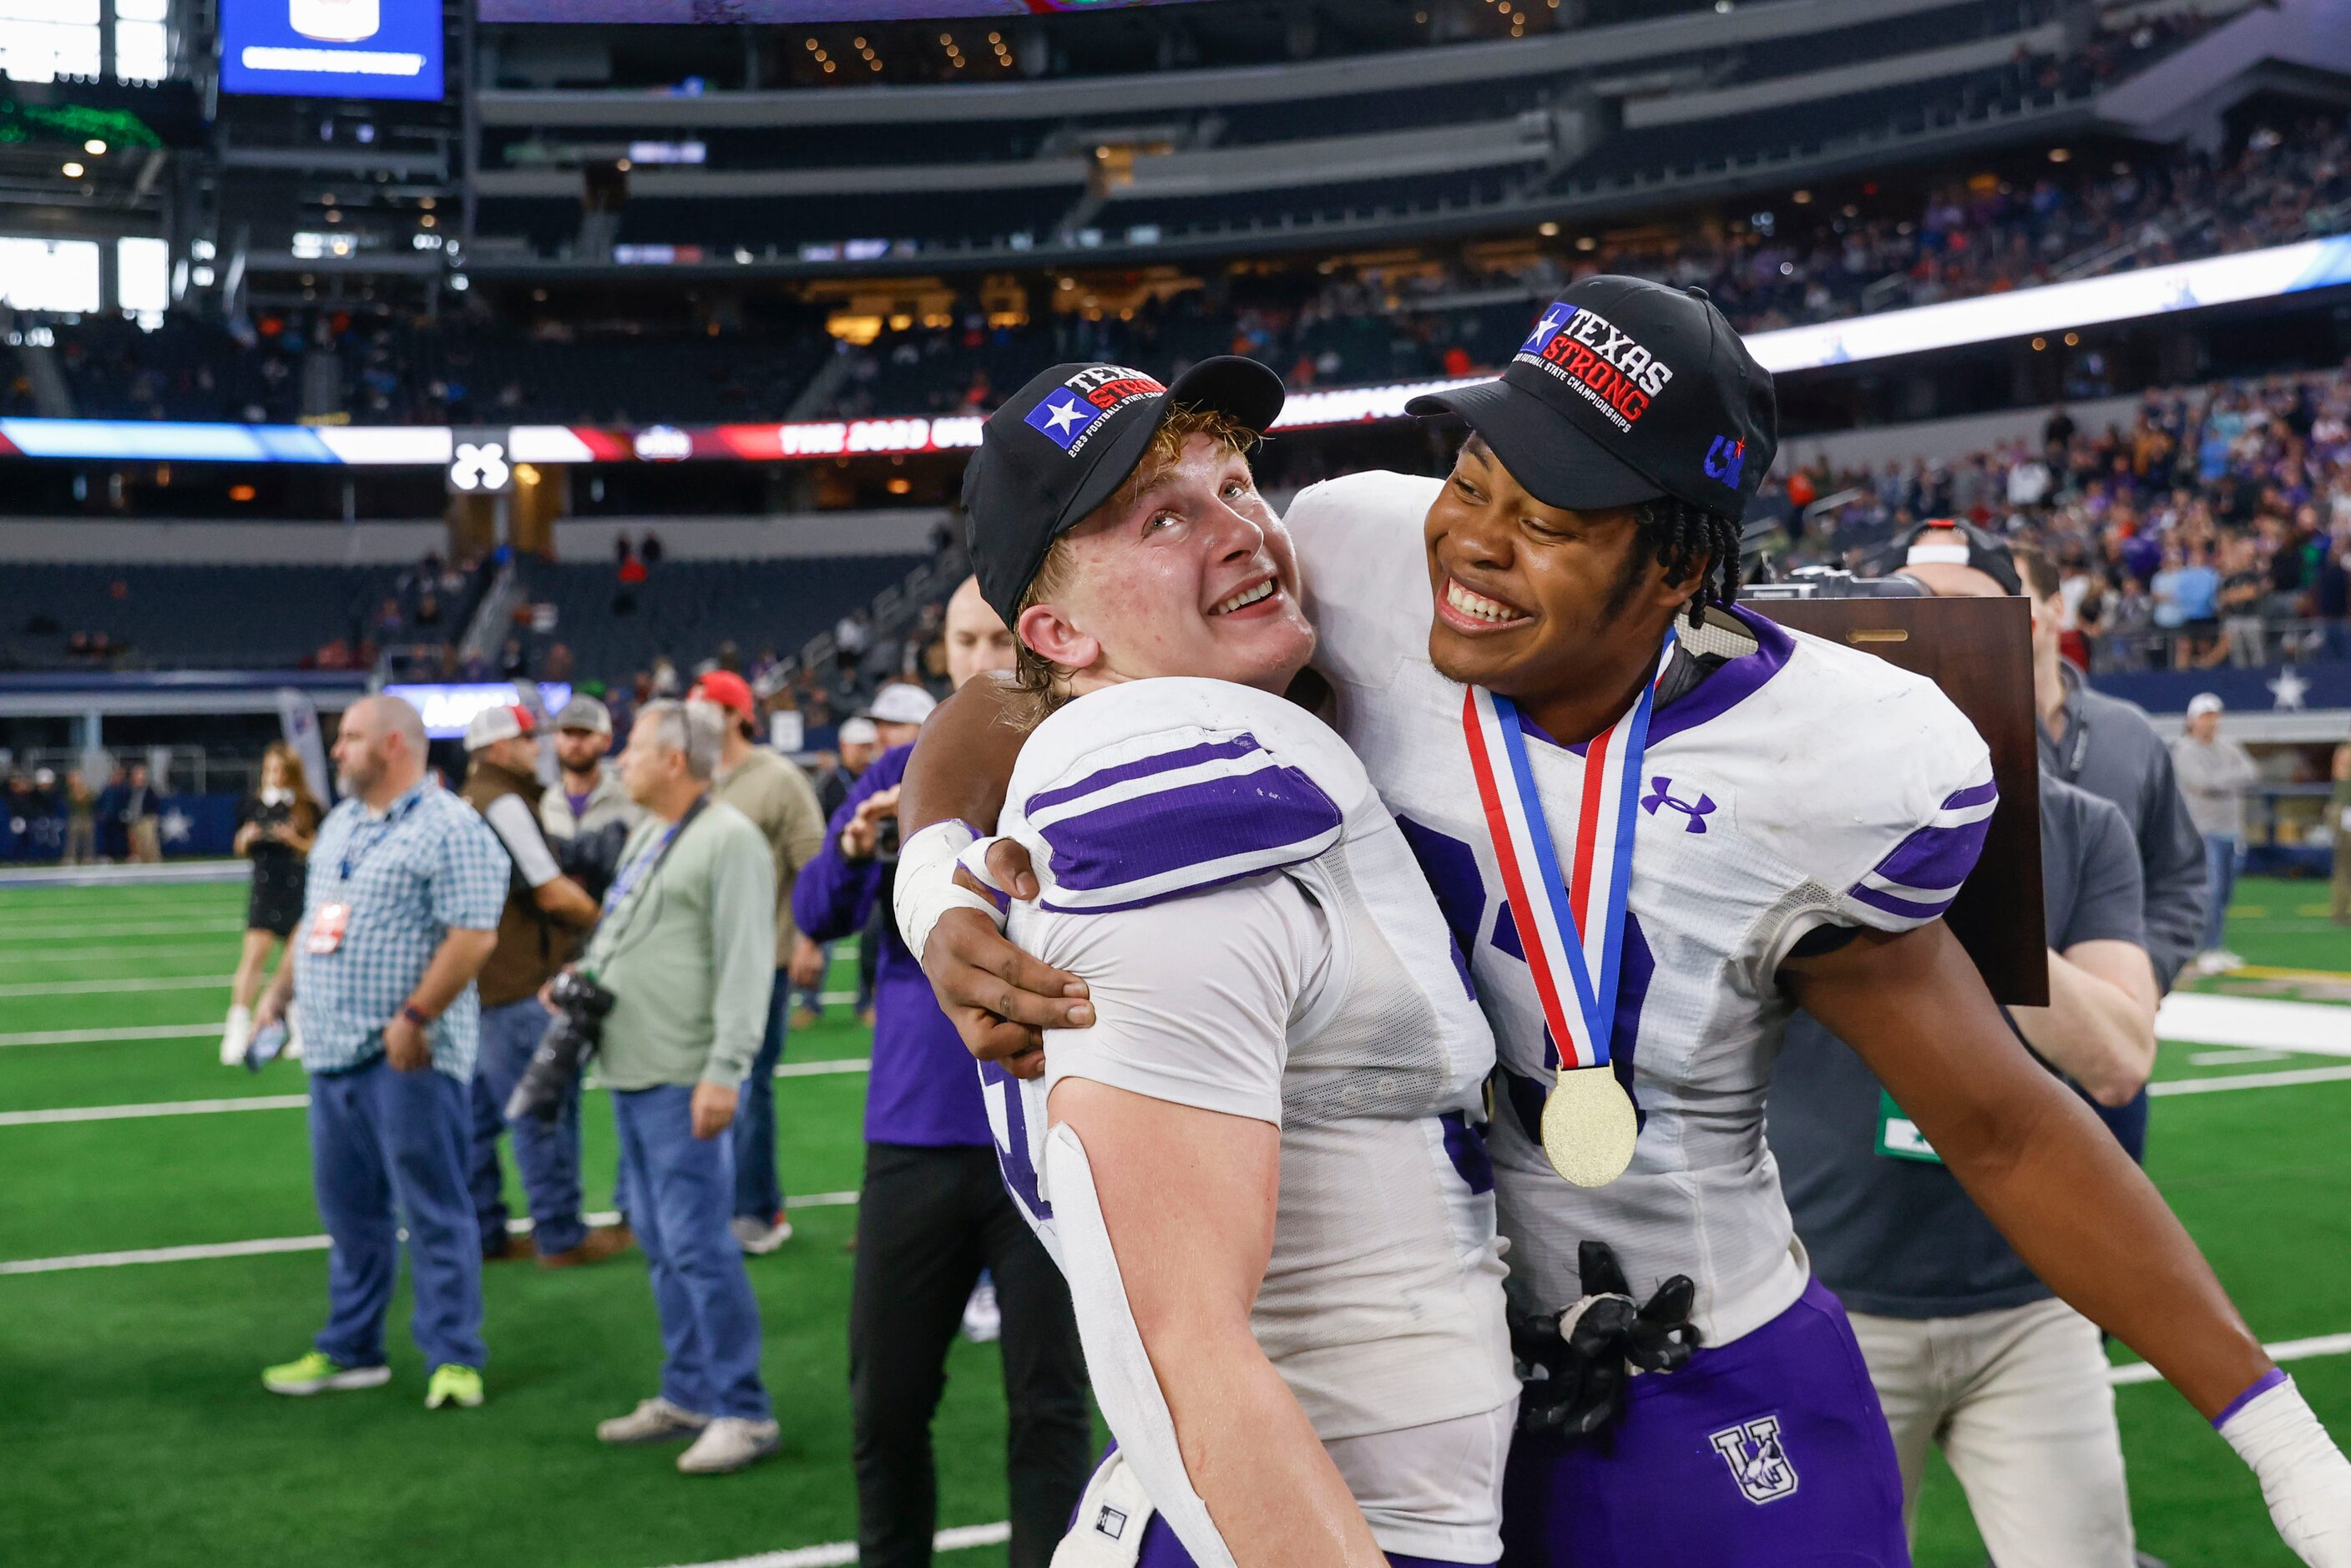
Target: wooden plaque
1980, 651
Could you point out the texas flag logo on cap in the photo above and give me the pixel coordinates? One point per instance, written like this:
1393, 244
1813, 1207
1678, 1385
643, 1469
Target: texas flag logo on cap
1554, 321
1063, 417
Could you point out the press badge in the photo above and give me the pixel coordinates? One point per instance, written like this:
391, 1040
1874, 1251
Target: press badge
1898, 1138
327, 928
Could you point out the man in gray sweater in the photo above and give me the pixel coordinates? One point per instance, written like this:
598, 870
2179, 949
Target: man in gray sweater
686, 947
2214, 774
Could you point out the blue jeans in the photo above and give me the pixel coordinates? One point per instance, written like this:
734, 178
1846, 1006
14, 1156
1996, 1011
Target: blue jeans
758, 1191
546, 1152
680, 1188
2219, 885
388, 1149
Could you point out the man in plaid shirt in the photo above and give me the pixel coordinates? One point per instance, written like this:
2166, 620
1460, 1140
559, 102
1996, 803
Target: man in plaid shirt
400, 913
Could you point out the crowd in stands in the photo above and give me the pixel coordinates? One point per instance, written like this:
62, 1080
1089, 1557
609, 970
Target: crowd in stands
1797, 259
2213, 527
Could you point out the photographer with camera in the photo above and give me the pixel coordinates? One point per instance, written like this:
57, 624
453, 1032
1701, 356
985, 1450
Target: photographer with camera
680, 969
546, 913
934, 1212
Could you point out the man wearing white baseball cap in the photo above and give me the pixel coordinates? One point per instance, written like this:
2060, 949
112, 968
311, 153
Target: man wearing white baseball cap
2213, 775
538, 928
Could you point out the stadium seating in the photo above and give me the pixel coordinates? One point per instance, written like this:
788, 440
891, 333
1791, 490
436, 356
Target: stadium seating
241, 616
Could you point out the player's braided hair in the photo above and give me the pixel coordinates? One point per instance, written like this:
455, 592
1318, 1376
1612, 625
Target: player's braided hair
1682, 538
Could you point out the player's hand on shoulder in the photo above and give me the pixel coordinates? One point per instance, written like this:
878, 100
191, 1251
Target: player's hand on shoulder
1001, 1000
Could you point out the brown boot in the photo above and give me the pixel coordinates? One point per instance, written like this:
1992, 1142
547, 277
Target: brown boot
513, 1250
606, 1241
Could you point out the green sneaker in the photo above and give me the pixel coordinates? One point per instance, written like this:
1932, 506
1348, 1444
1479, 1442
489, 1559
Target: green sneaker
318, 1373
458, 1386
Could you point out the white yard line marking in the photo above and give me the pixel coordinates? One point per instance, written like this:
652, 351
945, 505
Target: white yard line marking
2233, 1057
2286, 1079
160, 1108
150, 928
298, 1102
269, 1244
2263, 1023
54, 956
840, 1553
99, 1036
2283, 1351
92, 987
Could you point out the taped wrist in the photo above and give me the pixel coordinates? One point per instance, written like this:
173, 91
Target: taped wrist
926, 887
2273, 1429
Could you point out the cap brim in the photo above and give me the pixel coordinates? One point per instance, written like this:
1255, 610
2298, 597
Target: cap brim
1553, 458
1229, 384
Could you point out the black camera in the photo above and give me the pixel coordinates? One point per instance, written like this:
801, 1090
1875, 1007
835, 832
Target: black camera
885, 837
1829, 583
580, 1007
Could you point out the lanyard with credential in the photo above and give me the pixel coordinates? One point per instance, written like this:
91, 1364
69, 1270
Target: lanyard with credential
648, 861
355, 854
1572, 925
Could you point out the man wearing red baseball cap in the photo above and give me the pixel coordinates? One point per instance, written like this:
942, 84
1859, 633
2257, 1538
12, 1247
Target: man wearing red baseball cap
776, 796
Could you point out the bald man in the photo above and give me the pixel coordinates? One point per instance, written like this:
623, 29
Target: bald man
400, 912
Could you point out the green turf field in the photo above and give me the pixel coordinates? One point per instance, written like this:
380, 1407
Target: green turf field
133, 1430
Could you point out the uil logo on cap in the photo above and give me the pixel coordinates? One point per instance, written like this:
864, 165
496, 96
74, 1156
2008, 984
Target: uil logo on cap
1065, 417
1724, 459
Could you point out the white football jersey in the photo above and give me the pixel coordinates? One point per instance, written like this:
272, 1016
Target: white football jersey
1799, 784
1258, 940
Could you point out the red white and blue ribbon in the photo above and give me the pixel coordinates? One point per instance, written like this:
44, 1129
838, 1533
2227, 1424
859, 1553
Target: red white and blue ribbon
1570, 918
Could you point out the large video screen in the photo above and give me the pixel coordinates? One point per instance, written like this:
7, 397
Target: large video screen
331, 48
685, 11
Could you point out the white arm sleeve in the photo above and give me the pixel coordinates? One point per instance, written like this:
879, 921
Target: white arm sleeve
1193, 998
517, 828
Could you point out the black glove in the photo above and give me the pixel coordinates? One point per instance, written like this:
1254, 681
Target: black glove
1575, 1381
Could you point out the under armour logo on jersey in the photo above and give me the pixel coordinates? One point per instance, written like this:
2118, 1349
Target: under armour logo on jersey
1661, 794
1758, 1462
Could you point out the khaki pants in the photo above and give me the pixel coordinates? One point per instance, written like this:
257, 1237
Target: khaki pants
146, 840
2018, 1401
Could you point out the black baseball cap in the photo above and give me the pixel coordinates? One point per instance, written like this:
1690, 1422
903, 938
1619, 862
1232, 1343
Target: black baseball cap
1062, 445
1626, 391
1954, 541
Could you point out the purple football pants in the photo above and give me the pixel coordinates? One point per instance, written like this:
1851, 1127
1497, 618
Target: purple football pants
1162, 1549
1769, 1452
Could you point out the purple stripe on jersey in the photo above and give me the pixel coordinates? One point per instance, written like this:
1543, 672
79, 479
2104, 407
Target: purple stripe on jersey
1450, 867
1466, 1146
1019, 1167
1973, 795
1279, 813
1908, 909
2262, 1384
1935, 857
1142, 767
1731, 684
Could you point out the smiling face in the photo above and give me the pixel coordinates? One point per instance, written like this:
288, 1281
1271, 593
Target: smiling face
1534, 599
1187, 572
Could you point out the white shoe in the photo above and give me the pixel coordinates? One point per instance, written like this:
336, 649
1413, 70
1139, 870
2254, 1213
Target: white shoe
2224, 961
236, 1036
729, 1443
757, 1238
652, 1421
982, 1320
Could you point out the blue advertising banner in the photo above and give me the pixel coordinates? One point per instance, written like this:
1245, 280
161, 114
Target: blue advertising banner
198, 825
331, 48
2289, 688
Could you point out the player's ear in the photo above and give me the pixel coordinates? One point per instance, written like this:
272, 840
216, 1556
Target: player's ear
1047, 631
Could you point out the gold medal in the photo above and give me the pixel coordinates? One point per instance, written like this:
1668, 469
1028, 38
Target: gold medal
1589, 1126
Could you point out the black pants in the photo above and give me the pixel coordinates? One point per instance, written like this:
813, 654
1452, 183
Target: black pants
930, 1219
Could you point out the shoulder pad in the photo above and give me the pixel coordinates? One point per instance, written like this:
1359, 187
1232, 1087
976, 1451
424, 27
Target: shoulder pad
1153, 789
